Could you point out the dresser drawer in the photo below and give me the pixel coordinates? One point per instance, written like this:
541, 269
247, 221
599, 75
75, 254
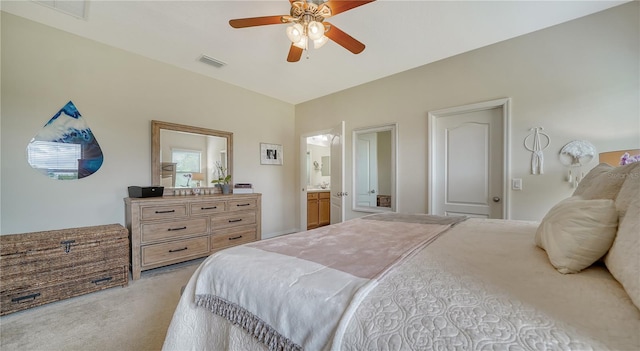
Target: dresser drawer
233, 220
177, 251
312, 196
163, 211
242, 204
175, 229
36, 295
204, 208
233, 237
324, 195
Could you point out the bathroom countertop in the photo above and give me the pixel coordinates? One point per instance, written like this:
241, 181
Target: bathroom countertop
317, 190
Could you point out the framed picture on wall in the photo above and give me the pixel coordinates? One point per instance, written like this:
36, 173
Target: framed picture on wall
270, 154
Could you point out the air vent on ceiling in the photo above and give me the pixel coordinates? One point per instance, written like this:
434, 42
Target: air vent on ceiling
79, 9
211, 61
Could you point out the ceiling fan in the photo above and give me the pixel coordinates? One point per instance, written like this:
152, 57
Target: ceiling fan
307, 19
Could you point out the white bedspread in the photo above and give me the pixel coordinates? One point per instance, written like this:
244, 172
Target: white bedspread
483, 285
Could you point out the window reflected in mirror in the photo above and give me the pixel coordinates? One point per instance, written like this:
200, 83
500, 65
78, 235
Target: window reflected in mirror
374, 169
188, 159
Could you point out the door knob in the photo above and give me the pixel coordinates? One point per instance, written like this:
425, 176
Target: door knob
496, 199
373, 191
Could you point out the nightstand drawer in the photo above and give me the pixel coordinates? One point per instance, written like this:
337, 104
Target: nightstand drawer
167, 211
175, 251
233, 237
233, 220
175, 229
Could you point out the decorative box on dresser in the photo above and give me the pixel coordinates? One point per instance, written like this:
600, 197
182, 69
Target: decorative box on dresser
41, 267
173, 229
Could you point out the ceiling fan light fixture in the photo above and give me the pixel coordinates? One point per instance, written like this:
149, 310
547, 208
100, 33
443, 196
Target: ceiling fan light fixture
315, 30
295, 33
302, 43
318, 43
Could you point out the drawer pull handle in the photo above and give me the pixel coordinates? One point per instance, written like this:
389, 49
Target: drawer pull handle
235, 220
174, 229
102, 280
209, 208
178, 250
24, 298
168, 211
240, 205
236, 237
67, 245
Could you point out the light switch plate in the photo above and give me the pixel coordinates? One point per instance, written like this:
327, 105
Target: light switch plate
516, 184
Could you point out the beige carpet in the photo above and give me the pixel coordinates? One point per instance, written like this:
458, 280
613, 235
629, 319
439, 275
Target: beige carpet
131, 318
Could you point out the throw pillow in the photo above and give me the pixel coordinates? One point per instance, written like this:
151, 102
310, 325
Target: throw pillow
603, 182
623, 259
577, 232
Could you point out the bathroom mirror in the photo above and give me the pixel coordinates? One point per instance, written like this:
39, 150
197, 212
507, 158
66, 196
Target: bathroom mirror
374, 168
326, 166
184, 156
319, 162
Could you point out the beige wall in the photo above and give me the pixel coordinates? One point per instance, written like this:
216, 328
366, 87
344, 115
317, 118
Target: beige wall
578, 80
119, 93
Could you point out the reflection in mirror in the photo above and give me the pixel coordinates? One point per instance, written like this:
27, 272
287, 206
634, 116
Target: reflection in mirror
318, 162
186, 157
65, 148
326, 165
374, 169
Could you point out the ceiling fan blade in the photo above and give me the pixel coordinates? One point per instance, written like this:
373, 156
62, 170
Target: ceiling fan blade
256, 21
295, 53
343, 39
339, 6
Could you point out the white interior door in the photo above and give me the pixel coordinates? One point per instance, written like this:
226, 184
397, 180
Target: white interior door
337, 174
468, 162
367, 170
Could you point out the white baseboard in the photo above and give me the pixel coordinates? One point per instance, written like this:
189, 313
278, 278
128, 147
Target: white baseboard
273, 235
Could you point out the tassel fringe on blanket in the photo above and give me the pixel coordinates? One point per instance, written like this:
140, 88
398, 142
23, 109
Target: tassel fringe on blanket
247, 321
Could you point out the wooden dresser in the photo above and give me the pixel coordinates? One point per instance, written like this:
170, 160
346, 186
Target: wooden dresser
173, 229
42, 267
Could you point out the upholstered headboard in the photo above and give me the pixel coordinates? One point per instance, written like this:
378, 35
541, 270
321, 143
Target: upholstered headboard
613, 157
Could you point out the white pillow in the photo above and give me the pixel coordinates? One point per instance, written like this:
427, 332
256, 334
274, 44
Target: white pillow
623, 259
577, 232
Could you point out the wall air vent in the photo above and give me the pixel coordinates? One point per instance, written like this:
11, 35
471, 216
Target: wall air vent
78, 9
211, 61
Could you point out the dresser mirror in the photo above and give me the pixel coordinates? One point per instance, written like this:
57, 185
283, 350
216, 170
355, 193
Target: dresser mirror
374, 169
184, 157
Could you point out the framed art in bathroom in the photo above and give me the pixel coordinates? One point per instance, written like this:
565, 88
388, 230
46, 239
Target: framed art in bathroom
270, 154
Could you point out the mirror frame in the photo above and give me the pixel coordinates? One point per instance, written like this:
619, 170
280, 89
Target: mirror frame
156, 126
393, 128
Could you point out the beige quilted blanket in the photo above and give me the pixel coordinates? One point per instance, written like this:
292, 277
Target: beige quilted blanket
483, 285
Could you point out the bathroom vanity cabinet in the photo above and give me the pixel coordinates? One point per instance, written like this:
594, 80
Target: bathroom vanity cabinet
318, 209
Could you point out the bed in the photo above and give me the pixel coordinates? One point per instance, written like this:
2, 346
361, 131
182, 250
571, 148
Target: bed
418, 282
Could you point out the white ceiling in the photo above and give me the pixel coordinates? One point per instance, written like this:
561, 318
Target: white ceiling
399, 35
